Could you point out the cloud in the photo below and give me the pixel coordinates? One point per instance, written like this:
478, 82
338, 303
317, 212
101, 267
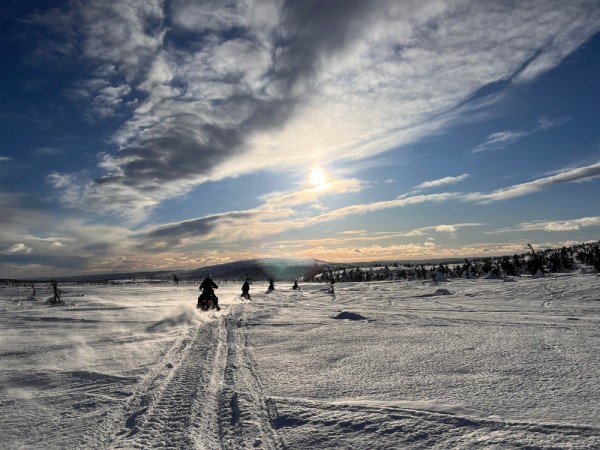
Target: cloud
545, 122
174, 234
363, 208
208, 90
18, 248
38, 239
278, 213
503, 139
552, 226
500, 139
49, 151
5, 158
446, 229
399, 252
353, 232
576, 175
350, 237
304, 196
440, 182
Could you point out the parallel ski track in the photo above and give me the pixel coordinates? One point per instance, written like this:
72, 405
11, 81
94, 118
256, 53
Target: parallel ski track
204, 393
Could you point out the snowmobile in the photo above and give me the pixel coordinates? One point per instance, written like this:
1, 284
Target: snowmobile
206, 302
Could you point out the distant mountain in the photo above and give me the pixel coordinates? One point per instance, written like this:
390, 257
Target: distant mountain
256, 269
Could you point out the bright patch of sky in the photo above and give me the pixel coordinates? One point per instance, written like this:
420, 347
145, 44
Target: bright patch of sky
159, 135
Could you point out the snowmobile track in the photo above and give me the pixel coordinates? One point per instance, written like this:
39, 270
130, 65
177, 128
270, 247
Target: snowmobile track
245, 414
204, 393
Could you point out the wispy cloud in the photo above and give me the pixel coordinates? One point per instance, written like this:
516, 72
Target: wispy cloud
579, 174
358, 236
304, 196
502, 139
398, 252
49, 151
440, 182
552, 225
5, 158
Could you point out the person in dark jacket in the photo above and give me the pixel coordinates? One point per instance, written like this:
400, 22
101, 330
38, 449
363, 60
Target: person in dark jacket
208, 294
271, 287
246, 289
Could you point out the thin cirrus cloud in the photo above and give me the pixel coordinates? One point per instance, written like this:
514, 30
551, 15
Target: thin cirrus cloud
579, 174
330, 80
552, 226
440, 182
357, 236
502, 139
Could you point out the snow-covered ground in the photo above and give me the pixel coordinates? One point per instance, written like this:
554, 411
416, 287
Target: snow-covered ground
384, 365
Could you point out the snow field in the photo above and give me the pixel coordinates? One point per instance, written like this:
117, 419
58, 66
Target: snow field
486, 364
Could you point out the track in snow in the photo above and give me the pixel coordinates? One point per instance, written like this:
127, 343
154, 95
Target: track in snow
309, 423
204, 393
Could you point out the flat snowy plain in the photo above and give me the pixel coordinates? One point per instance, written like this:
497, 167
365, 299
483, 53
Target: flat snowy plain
383, 365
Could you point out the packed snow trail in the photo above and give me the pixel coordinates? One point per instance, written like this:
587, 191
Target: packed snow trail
204, 393
245, 414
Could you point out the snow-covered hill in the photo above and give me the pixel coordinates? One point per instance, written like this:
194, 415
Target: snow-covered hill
258, 269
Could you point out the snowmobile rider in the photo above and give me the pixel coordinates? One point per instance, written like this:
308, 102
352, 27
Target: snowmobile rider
208, 293
246, 289
295, 286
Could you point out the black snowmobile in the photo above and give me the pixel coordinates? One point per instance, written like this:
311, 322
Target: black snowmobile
207, 301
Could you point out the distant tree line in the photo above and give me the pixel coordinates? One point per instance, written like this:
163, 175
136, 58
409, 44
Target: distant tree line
537, 263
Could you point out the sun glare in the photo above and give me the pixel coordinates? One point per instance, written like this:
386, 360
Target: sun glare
317, 177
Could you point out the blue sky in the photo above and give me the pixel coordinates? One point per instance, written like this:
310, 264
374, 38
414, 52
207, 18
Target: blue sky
157, 135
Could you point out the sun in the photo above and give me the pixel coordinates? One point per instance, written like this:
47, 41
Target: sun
318, 177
